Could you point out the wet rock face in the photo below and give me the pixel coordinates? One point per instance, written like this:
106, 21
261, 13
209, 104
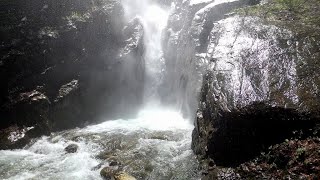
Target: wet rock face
15, 137
186, 39
66, 63
29, 107
260, 87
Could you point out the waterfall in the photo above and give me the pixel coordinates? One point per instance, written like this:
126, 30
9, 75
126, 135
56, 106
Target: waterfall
154, 19
156, 144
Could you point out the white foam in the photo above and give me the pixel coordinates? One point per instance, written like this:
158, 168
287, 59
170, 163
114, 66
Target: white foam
150, 119
194, 2
47, 160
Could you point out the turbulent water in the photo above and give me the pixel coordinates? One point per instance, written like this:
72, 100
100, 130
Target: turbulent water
155, 145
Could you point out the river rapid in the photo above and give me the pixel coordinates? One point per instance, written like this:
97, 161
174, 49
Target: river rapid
156, 145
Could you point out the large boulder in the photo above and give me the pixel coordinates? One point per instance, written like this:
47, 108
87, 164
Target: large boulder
185, 42
262, 85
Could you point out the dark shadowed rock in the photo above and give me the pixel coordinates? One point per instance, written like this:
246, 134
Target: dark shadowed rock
13, 137
295, 159
72, 148
114, 163
67, 64
26, 108
68, 106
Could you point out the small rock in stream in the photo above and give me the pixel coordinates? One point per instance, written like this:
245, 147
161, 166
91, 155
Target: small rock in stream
72, 148
114, 163
123, 176
109, 173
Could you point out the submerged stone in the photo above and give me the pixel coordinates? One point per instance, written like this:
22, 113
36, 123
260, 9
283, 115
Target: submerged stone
72, 148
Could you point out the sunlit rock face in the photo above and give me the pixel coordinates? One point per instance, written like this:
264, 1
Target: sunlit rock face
261, 85
72, 62
186, 39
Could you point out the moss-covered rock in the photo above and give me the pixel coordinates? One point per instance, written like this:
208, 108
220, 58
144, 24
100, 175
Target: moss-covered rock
299, 16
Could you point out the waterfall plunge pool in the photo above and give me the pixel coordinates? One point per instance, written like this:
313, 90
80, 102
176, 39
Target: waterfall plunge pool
155, 145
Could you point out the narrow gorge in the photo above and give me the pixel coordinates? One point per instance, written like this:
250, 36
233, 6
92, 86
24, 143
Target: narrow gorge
160, 89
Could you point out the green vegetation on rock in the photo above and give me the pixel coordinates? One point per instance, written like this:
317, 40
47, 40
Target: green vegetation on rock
300, 16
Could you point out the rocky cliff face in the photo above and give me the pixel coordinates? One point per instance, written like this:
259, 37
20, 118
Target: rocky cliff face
185, 44
259, 79
67, 63
261, 87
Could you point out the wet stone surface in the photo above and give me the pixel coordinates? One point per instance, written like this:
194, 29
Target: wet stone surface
72, 148
261, 86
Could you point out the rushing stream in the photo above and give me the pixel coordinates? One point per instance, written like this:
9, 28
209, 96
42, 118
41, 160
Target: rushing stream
155, 145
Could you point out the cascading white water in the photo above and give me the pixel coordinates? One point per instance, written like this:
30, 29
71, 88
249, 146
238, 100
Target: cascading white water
155, 145
154, 20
